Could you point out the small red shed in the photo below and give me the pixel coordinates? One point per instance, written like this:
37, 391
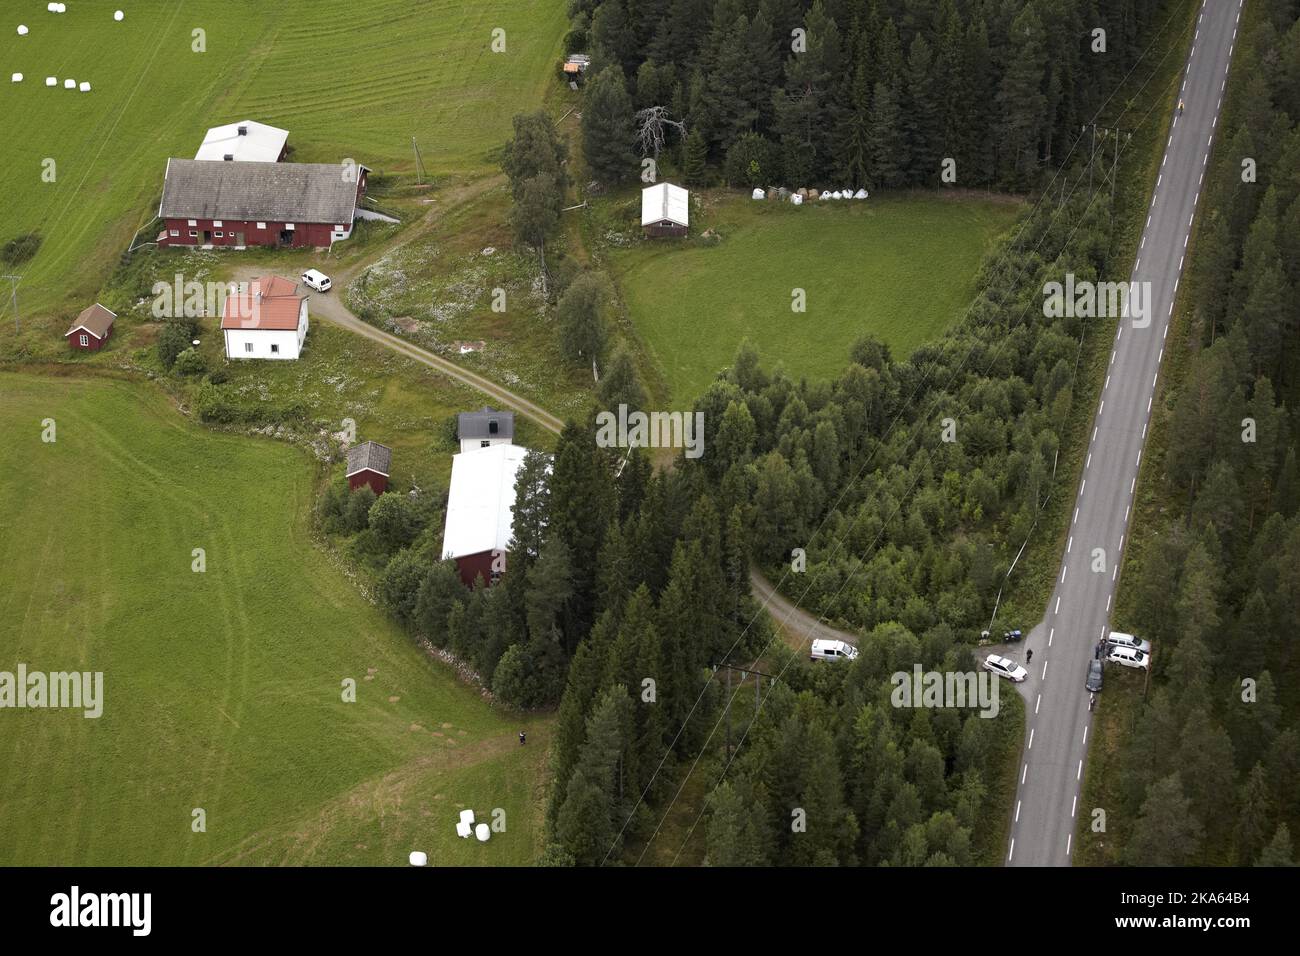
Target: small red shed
369, 464
91, 329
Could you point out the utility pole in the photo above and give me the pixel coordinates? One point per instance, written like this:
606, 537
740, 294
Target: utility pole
419, 162
13, 297
758, 687
1118, 133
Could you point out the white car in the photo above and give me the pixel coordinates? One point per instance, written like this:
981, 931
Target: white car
1120, 639
316, 280
826, 650
1005, 667
1129, 657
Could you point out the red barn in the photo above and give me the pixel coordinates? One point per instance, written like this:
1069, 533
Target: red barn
480, 510
91, 329
238, 204
369, 464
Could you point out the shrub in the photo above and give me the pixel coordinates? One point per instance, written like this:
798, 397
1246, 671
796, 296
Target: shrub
20, 249
172, 341
399, 585
396, 519
189, 362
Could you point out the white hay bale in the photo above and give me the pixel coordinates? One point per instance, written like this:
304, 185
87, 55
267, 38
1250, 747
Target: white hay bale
51, 81
860, 194
758, 194
117, 15
463, 830
84, 87
419, 858
824, 196
69, 84
483, 832
467, 816
17, 78
797, 199
22, 30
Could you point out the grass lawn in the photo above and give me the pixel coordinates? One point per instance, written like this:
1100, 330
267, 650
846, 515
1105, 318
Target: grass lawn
222, 689
901, 268
355, 81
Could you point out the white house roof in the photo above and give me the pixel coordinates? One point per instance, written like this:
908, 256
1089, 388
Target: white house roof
259, 144
480, 504
665, 201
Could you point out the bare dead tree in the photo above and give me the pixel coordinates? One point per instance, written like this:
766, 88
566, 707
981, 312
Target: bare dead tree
651, 124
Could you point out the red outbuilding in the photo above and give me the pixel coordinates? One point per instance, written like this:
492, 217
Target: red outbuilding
369, 464
91, 329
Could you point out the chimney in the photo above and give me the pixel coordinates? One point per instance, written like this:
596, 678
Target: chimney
229, 157
243, 131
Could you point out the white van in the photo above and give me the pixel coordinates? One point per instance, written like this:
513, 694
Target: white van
826, 650
316, 280
1129, 657
1120, 639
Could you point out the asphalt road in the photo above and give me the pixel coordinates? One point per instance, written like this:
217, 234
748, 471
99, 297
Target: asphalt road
1047, 809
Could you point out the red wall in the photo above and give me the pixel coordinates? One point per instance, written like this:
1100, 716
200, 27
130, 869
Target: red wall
304, 233
74, 339
471, 566
315, 234
377, 482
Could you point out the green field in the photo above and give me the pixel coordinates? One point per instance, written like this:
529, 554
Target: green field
222, 689
900, 268
346, 80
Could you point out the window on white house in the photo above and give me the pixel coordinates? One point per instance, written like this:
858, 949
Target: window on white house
85, 340
261, 225
484, 443
173, 232
248, 346
275, 349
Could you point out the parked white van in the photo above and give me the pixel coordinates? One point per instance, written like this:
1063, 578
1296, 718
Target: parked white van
316, 280
1120, 639
1129, 657
826, 650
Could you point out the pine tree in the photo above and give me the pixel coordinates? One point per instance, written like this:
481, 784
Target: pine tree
608, 139
695, 154
1166, 833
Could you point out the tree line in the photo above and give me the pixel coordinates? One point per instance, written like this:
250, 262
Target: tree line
856, 93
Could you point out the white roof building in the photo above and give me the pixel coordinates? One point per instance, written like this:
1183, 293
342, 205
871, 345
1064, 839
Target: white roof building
244, 142
665, 204
481, 500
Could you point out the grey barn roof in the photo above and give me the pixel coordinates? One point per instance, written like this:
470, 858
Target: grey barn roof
370, 455
283, 192
479, 424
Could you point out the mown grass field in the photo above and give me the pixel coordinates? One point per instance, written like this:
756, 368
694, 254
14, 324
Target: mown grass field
222, 689
346, 80
902, 268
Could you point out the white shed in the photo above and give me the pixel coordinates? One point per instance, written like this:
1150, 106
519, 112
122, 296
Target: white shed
665, 210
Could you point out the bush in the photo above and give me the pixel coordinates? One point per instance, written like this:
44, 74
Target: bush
172, 341
189, 362
396, 519
399, 585
20, 249
356, 515
218, 376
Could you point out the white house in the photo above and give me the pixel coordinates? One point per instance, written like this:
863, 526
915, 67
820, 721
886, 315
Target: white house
665, 210
480, 510
266, 319
484, 428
